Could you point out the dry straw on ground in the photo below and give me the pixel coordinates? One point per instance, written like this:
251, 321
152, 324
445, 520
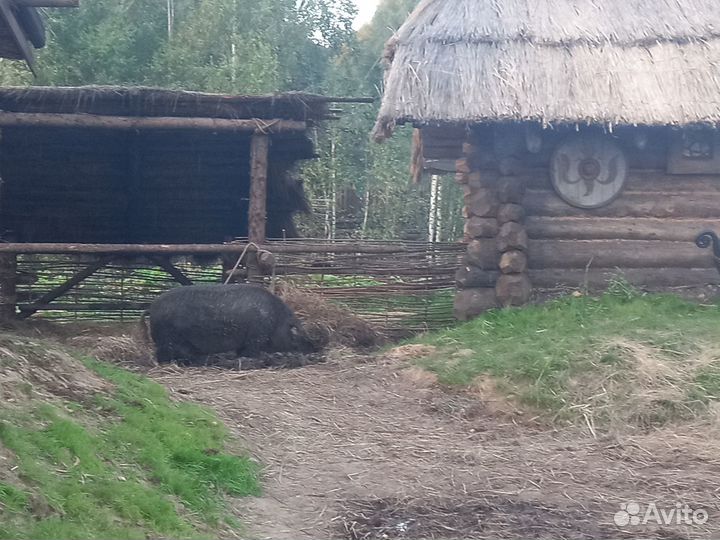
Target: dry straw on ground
644, 386
32, 369
329, 323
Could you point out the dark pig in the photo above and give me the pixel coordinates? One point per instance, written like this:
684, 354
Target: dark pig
188, 324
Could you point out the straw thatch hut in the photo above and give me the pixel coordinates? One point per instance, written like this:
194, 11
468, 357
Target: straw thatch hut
583, 132
22, 29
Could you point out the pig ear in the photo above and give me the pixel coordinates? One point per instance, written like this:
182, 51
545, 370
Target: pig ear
294, 331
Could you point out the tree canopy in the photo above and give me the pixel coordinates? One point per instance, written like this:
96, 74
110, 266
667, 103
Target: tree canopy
260, 46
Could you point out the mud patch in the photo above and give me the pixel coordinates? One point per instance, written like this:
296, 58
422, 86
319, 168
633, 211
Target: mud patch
263, 361
485, 518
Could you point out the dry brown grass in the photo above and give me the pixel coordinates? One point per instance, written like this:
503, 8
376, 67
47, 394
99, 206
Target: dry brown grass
648, 386
31, 369
328, 323
125, 350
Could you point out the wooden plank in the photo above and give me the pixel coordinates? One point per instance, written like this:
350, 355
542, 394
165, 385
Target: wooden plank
174, 271
599, 228
580, 254
212, 249
13, 119
638, 181
257, 219
18, 35
600, 278
704, 205
93, 307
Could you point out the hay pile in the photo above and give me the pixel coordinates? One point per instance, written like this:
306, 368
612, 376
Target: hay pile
328, 323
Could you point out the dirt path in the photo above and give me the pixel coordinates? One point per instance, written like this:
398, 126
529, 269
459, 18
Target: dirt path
363, 448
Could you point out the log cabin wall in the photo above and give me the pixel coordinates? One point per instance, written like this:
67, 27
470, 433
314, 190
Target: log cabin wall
522, 235
104, 186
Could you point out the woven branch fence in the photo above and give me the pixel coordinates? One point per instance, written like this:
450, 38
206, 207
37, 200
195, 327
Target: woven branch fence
402, 288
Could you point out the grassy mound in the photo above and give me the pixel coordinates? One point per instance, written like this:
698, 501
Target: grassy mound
625, 358
88, 450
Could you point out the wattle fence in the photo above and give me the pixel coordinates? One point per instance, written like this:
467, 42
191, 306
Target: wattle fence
400, 287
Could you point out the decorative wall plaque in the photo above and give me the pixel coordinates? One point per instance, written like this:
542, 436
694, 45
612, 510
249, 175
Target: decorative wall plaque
694, 151
589, 171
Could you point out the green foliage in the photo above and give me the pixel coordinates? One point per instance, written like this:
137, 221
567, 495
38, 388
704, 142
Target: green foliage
241, 46
12, 499
265, 46
118, 468
378, 174
542, 352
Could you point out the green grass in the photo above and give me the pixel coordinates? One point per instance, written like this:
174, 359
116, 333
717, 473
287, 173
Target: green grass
551, 357
129, 465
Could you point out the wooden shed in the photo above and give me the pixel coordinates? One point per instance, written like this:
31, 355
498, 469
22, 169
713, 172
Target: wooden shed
584, 134
128, 171
138, 165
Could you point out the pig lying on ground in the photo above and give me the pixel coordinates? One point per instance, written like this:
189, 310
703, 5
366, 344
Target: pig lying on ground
189, 324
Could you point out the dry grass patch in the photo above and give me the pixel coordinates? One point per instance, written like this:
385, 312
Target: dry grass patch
31, 368
124, 350
638, 384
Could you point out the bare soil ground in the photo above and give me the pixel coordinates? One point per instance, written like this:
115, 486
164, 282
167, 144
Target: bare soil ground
368, 448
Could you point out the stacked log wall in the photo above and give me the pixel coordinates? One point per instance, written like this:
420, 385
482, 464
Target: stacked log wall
478, 272
522, 235
647, 236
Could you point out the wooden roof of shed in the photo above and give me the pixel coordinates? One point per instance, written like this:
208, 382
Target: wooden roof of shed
154, 102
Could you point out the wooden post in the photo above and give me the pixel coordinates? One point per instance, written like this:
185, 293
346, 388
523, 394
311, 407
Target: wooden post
134, 189
8, 287
257, 222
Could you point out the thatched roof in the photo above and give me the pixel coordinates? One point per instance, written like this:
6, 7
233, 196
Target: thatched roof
154, 102
647, 62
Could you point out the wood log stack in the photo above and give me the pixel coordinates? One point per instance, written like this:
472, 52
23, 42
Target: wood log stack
494, 270
478, 273
513, 286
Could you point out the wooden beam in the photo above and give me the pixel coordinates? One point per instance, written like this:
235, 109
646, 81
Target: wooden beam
259, 151
93, 307
205, 249
173, 270
13, 119
48, 3
57, 292
18, 35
